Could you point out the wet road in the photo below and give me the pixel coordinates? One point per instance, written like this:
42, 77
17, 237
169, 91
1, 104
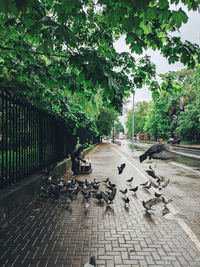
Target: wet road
116, 234
184, 175
188, 158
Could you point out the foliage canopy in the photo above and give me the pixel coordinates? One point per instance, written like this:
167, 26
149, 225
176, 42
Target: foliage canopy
53, 49
68, 44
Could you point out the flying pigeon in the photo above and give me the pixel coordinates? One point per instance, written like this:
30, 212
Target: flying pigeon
152, 173
157, 151
134, 189
130, 180
121, 168
124, 191
144, 184
149, 203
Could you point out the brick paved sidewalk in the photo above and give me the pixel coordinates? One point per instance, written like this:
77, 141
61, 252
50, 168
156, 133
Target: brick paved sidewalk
115, 235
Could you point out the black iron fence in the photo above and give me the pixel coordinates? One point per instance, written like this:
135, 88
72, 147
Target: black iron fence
30, 139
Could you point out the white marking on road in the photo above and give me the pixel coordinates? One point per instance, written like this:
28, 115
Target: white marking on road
183, 225
187, 155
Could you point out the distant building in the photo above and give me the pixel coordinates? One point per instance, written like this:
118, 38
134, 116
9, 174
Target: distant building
142, 136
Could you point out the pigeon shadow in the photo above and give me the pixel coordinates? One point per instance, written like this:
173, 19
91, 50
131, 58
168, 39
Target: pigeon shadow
134, 195
127, 209
109, 210
100, 203
147, 191
148, 217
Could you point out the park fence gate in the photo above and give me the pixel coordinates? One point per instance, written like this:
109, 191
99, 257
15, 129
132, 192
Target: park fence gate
30, 139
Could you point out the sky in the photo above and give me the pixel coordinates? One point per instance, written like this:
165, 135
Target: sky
189, 31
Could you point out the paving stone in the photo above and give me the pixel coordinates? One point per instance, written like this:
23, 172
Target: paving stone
115, 236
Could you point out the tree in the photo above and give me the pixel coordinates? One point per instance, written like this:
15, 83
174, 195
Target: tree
119, 128
105, 121
157, 122
140, 113
186, 84
68, 46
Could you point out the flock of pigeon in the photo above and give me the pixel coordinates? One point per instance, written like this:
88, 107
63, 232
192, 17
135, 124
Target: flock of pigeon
67, 191
158, 184
104, 191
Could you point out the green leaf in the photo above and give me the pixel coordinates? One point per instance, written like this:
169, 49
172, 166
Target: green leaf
163, 4
179, 17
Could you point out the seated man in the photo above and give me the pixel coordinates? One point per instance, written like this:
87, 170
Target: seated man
76, 156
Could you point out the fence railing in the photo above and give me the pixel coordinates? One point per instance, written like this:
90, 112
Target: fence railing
30, 139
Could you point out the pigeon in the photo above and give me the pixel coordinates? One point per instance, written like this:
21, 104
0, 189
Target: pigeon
154, 185
157, 151
144, 184
88, 196
173, 109
98, 196
126, 200
121, 168
111, 196
95, 182
134, 189
111, 185
149, 203
123, 165
124, 191
69, 201
96, 187
130, 180
165, 184
80, 183
147, 186
147, 207
106, 181
105, 197
152, 173
158, 180
157, 195
91, 262
165, 201
77, 190
83, 193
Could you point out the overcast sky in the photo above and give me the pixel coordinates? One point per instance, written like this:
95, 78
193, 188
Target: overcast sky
189, 31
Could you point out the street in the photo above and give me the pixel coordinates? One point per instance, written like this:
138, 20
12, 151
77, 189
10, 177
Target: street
116, 234
184, 174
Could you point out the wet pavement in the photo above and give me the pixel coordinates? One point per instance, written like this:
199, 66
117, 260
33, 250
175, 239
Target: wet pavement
50, 235
184, 187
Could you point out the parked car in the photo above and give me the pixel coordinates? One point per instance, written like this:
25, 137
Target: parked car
173, 140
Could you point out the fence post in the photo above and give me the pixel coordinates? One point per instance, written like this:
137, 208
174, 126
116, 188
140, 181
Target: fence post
41, 154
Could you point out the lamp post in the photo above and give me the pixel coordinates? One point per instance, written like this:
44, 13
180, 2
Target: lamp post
133, 124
